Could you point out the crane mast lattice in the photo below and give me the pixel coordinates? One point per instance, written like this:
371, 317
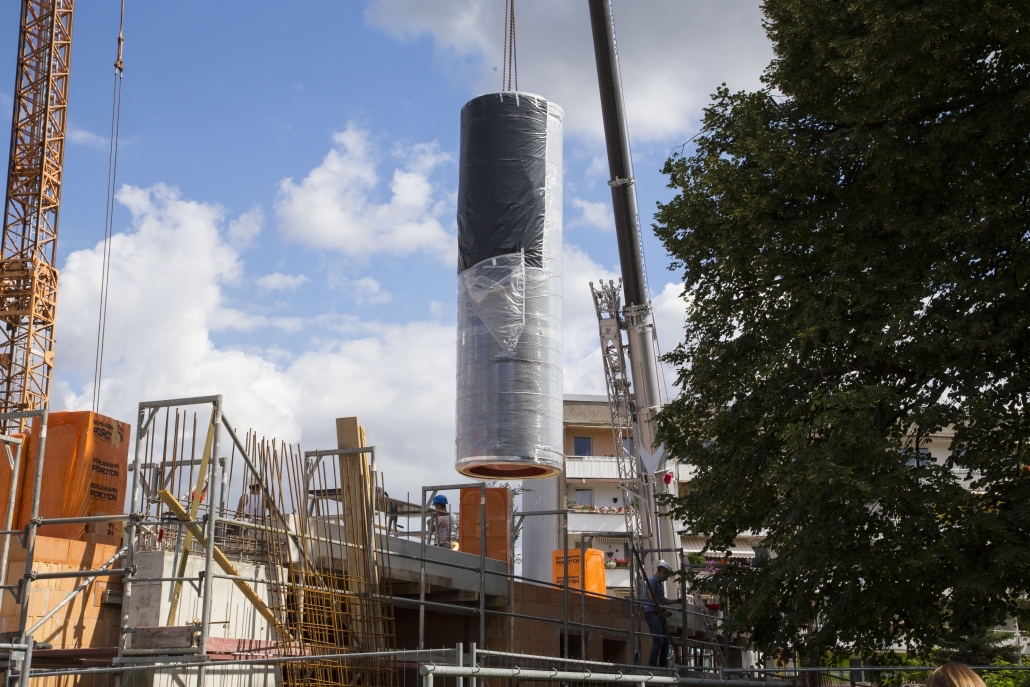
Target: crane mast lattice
28, 272
636, 493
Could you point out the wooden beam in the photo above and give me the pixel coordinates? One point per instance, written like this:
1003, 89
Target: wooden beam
195, 498
225, 564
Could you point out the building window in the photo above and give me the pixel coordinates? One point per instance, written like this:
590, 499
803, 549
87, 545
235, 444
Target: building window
582, 446
585, 497
920, 460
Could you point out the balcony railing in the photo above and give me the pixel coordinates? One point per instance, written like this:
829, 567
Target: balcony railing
591, 467
596, 522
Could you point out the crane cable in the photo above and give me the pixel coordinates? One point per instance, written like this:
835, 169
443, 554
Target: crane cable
509, 60
112, 173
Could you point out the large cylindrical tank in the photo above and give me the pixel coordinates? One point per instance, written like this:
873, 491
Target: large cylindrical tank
509, 410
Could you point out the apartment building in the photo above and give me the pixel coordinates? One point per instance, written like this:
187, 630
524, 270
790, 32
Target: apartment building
589, 489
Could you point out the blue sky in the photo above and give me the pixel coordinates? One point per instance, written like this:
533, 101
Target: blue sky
285, 224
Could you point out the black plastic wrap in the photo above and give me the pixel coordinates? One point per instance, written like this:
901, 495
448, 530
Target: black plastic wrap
501, 176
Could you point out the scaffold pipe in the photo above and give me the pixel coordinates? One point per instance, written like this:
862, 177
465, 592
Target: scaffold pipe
585, 676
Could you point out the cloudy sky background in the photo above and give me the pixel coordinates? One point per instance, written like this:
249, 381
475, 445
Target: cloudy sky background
284, 233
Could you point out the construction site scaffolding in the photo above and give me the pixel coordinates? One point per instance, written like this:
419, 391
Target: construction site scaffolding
326, 610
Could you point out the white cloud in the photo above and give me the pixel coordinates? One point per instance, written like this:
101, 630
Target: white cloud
333, 207
598, 215
670, 312
87, 138
673, 54
597, 169
367, 291
584, 372
168, 275
277, 281
245, 228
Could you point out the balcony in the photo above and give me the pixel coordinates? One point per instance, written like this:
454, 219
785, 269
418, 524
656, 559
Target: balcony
592, 467
596, 523
616, 577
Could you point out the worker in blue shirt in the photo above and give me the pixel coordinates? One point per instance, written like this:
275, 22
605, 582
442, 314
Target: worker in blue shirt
654, 601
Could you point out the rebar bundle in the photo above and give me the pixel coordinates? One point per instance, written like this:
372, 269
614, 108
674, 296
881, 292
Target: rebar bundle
313, 521
331, 593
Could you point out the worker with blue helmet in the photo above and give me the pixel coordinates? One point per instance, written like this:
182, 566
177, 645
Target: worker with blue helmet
440, 522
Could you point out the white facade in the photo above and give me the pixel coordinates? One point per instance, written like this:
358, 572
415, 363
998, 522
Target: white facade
590, 487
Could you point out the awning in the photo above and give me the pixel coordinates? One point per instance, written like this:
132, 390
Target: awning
739, 549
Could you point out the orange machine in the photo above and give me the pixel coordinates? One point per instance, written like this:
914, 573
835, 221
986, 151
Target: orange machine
85, 466
498, 522
592, 571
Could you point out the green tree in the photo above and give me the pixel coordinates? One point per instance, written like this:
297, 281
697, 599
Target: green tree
855, 246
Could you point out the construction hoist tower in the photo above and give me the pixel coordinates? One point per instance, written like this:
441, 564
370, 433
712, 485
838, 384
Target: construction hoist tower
28, 272
638, 498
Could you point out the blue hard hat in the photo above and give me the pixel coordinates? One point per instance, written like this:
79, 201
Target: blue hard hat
439, 500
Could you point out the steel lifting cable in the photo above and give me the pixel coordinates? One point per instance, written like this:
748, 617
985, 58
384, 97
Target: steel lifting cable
112, 173
510, 59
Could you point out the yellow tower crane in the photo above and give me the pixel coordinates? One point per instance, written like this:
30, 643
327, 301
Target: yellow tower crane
28, 256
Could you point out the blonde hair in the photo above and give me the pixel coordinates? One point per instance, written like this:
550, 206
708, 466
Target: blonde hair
954, 675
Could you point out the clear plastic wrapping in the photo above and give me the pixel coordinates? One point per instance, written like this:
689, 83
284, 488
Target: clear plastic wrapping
496, 292
509, 401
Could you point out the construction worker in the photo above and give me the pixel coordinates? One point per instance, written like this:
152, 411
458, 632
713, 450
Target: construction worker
252, 508
655, 613
252, 504
440, 521
390, 506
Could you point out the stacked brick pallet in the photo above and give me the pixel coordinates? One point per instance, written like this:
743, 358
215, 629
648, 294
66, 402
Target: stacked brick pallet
91, 619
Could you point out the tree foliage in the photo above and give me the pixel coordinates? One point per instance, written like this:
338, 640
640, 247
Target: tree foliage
855, 248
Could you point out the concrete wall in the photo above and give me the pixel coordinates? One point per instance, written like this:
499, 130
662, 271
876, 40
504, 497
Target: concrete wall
609, 639
408, 570
147, 603
217, 676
